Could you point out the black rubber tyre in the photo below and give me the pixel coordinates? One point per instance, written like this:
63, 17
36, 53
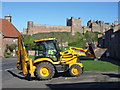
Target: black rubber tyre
77, 68
49, 68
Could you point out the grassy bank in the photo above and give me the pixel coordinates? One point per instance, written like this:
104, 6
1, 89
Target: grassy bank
90, 65
78, 40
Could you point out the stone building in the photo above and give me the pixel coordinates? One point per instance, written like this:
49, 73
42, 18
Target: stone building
8, 33
111, 41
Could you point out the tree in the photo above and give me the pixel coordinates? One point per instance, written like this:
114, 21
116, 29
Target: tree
29, 42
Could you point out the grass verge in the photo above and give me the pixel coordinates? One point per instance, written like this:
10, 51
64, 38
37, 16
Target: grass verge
90, 65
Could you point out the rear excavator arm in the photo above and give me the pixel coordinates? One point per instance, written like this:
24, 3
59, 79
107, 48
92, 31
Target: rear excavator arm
24, 63
83, 52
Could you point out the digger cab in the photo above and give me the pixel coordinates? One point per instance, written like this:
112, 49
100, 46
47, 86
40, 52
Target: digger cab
47, 48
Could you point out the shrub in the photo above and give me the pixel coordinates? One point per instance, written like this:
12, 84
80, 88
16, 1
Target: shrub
12, 47
7, 55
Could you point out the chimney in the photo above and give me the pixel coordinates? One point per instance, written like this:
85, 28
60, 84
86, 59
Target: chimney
8, 17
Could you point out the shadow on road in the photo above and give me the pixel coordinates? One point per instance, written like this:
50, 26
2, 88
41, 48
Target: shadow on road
86, 85
15, 75
27, 77
112, 75
65, 74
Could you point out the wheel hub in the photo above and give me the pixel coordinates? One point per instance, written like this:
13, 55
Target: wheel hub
44, 71
75, 71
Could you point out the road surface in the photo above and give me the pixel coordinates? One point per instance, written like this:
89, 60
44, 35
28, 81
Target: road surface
11, 78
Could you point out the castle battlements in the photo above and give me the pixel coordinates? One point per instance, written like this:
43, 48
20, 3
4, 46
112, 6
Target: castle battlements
73, 25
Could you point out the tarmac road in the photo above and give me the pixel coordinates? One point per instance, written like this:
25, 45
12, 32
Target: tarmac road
11, 78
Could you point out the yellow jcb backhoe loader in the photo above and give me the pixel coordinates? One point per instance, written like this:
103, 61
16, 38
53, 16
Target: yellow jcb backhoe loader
48, 60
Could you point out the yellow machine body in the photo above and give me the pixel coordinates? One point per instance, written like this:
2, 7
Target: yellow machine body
82, 52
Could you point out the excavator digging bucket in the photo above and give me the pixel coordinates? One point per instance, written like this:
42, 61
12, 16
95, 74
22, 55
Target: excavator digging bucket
90, 52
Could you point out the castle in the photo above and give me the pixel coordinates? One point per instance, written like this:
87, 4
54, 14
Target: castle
73, 25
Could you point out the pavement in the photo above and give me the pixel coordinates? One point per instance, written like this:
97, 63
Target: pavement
11, 78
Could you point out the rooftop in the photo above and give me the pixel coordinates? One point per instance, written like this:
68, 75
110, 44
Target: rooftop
8, 29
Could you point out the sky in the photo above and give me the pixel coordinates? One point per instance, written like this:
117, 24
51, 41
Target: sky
55, 13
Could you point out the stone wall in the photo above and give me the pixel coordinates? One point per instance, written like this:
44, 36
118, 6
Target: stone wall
24, 31
111, 41
84, 29
48, 28
114, 46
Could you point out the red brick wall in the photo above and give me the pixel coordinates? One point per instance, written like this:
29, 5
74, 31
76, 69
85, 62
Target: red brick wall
8, 41
1, 53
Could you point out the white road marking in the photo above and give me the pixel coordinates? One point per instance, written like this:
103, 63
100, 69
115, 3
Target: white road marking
9, 69
15, 68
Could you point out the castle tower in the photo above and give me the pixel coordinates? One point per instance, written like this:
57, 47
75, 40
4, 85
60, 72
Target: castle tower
75, 25
8, 17
102, 26
89, 23
29, 27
